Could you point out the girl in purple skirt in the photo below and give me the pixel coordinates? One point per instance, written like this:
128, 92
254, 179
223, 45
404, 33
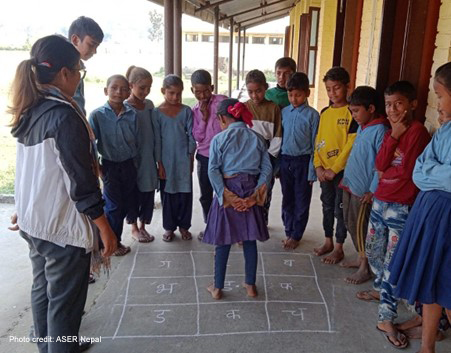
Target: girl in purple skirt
239, 170
421, 265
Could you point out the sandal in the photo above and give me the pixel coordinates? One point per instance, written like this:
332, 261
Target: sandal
143, 237
186, 234
397, 335
367, 296
168, 236
122, 250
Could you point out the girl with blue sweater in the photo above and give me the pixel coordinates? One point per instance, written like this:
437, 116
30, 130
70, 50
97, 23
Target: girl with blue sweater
421, 266
239, 170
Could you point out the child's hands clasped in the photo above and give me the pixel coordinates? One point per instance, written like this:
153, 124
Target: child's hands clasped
329, 175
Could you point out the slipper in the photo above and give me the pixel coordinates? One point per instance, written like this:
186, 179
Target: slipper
168, 236
122, 250
397, 335
91, 278
186, 234
366, 296
141, 238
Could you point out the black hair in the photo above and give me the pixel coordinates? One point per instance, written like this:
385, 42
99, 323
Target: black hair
135, 74
365, 96
298, 80
404, 88
85, 26
201, 77
286, 62
337, 73
116, 77
224, 105
172, 80
443, 75
256, 76
47, 57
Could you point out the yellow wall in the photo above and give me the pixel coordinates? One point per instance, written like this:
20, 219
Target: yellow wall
370, 37
442, 54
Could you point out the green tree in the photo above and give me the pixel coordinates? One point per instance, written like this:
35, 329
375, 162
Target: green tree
156, 26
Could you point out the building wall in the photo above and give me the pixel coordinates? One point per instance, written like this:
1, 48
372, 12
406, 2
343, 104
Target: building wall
370, 37
442, 54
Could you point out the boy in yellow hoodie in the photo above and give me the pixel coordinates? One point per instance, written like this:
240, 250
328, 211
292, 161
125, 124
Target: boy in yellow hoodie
336, 133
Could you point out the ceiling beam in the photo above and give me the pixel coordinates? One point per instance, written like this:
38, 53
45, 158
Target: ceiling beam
253, 9
265, 14
209, 4
250, 25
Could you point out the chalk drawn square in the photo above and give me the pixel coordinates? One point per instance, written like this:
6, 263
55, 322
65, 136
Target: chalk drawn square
205, 265
162, 290
233, 289
163, 265
159, 320
298, 317
291, 288
233, 318
96, 325
288, 264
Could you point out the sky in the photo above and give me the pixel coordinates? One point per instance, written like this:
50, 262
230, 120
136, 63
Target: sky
125, 21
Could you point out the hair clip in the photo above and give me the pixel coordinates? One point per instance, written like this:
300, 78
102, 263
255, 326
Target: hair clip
46, 64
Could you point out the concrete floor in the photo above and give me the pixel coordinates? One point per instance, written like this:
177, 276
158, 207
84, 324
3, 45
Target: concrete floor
155, 299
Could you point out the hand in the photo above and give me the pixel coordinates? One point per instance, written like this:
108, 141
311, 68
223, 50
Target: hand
329, 174
161, 171
239, 204
107, 235
15, 226
320, 174
367, 198
204, 111
399, 127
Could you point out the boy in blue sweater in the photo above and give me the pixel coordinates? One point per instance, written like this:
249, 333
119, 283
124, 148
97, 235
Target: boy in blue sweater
360, 177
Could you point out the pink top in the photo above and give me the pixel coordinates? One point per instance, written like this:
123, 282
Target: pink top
203, 131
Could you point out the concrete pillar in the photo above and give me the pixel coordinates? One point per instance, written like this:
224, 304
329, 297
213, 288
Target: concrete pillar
231, 56
238, 59
216, 49
168, 37
178, 37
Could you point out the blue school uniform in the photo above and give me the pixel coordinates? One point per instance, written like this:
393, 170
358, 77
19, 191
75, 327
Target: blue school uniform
300, 126
146, 161
177, 147
421, 266
360, 175
117, 142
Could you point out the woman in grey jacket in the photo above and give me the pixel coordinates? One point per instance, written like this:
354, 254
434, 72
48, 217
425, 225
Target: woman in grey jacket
58, 200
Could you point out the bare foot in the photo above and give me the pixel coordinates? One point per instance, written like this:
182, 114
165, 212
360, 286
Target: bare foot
216, 293
290, 243
368, 295
359, 277
413, 322
251, 290
136, 234
335, 257
354, 263
149, 236
327, 247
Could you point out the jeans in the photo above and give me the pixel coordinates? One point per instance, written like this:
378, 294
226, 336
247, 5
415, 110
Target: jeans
58, 293
250, 262
386, 224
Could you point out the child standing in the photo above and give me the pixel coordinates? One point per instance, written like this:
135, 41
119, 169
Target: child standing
266, 121
336, 133
174, 123
205, 127
360, 176
115, 128
86, 35
393, 198
147, 175
284, 68
297, 174
421, 266
239, 171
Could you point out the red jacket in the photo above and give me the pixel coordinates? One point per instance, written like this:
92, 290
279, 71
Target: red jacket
396, 160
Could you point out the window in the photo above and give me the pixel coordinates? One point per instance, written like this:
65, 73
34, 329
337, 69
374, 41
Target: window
313, 44
223, 39
207, 38
190, 37
258, 40
276, 40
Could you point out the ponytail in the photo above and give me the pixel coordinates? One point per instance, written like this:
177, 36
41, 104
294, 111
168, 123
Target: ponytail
25, 91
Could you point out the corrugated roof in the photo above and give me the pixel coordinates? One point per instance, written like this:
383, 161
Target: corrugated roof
247, 13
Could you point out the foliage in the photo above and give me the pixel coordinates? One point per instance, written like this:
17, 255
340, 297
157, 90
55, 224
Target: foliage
156, 26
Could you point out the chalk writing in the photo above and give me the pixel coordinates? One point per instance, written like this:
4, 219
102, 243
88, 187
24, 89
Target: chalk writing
286, 286
298, 312
228, 286
232, 314
165, 263
288, 263
160, 316
166, 288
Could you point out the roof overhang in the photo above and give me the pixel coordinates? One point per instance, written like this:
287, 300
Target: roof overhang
244, 13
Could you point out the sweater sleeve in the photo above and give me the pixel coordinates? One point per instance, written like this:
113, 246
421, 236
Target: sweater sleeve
314, 122
199, 125
386, 152
341, 160
189, 131
276, 141
72, 142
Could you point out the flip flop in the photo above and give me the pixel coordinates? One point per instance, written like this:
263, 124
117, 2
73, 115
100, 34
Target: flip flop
397, 335
366, 296
186, 234
122, 250
168, 236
